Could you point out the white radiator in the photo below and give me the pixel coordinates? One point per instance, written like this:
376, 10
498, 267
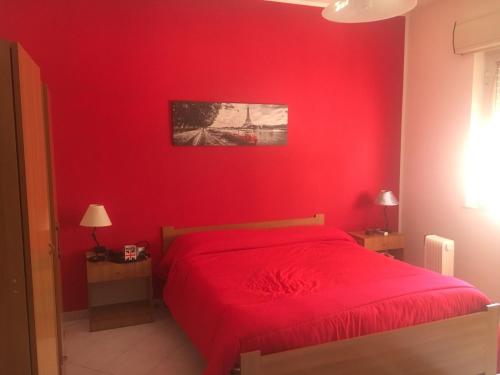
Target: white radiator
439, 254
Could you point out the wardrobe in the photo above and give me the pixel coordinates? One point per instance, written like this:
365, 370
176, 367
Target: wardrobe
30, 330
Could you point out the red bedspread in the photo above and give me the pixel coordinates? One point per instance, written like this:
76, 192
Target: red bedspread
273, 290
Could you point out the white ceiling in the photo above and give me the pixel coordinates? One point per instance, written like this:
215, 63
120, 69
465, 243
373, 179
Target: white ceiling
324, 3
425, 2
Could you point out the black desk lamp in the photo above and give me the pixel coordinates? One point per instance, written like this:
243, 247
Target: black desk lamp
386, 198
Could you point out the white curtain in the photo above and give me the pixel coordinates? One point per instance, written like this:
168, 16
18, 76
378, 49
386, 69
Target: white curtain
483, 158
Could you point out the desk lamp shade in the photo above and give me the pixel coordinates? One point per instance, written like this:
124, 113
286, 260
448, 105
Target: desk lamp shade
386, 198
96, 217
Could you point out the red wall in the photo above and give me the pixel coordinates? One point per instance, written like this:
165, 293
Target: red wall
112, 70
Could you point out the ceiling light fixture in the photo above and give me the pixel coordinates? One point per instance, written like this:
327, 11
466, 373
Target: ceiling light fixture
356, 11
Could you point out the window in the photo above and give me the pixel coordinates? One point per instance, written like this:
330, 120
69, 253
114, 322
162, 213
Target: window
483, 154
497, 91
492, 85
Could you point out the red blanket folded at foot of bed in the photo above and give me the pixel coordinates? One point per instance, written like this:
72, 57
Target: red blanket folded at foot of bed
274, 290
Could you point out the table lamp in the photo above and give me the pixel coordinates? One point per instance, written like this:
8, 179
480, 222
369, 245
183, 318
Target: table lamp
96, 217
386, 198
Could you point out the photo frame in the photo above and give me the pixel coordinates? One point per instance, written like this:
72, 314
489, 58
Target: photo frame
229, 124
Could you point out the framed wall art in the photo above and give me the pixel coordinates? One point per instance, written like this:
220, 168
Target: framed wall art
229, 124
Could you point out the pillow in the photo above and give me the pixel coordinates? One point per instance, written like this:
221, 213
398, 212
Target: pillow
243, 239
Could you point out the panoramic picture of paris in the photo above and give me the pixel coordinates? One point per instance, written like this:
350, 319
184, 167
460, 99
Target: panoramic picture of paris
229, 124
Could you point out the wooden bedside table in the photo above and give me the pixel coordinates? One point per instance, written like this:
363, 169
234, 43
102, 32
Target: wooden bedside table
119, 294
392, 243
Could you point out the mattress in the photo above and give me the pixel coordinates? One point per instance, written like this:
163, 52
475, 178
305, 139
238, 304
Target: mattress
278, 289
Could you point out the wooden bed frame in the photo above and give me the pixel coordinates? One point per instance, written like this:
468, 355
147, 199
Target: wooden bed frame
465, 345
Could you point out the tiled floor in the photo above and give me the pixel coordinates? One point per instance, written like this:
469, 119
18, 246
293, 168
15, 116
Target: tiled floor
158, 348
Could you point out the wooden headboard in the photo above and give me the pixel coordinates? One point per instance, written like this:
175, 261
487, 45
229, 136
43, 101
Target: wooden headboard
169, 233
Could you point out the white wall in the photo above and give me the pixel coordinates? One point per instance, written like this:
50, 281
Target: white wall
438, 98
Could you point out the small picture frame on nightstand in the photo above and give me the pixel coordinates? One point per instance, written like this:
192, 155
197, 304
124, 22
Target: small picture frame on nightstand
130, 253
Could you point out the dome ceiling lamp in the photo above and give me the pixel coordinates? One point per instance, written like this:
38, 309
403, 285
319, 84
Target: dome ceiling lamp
357, 11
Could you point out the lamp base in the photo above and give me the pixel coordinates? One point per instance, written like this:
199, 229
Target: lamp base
100, 250
383, 232
98, 254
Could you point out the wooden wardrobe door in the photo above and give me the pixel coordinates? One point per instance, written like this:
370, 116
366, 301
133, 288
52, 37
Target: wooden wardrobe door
56, 254
15, 350
36, 210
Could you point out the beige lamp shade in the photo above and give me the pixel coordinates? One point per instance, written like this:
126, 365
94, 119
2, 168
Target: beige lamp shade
386, 198
95, 216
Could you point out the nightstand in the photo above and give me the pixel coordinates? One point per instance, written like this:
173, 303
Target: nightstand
119, 294
392, 243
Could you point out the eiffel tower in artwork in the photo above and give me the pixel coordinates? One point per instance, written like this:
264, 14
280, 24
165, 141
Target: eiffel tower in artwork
248, 122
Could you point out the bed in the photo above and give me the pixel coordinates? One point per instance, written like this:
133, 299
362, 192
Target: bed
304, 298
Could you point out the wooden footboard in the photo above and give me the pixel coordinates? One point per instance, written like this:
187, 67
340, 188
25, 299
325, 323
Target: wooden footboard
465, 345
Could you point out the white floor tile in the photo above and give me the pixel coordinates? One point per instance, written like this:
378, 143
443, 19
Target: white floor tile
148, 349
71, 369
